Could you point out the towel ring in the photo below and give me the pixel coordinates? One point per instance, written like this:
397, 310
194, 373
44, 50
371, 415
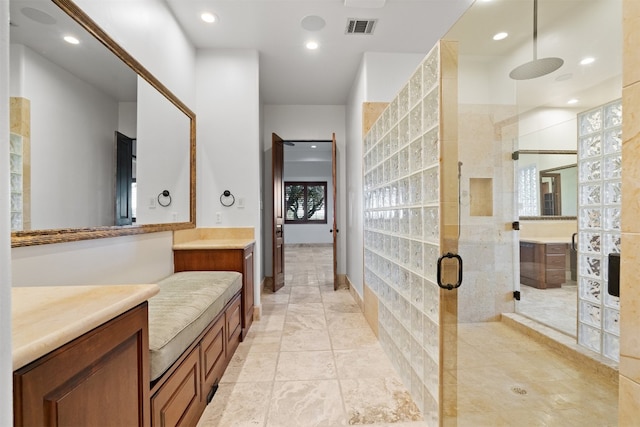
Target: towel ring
165, 194
226, 194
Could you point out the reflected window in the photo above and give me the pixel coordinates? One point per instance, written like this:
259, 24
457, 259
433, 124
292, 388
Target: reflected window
528, 191
134, 199
305, 202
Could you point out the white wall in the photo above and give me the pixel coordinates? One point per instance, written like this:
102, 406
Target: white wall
379, 79
548, 129
131, 259
387, 73
162, 162
228, 135
304, 122
127, 119
136, 26
354, 225
313, 172
6, 385
72, 140
147, 30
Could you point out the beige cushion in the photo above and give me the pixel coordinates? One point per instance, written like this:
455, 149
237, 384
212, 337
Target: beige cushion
186, 304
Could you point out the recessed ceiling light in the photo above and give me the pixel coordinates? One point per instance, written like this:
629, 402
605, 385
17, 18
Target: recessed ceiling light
71, 40
314, 146
501, 36
312, 45
572, 101
588, 60
208, 17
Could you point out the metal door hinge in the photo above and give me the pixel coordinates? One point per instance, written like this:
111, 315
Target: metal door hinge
515, 225
516, 295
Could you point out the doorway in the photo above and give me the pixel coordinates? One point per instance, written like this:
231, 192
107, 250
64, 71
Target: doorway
304, 206
547, 199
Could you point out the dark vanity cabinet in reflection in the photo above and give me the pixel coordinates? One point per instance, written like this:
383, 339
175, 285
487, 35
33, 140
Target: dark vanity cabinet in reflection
542, 264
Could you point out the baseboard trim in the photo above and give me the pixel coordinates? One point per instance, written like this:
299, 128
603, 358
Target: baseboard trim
257, 312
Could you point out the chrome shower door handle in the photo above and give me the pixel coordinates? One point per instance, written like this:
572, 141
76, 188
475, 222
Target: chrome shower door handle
439, 275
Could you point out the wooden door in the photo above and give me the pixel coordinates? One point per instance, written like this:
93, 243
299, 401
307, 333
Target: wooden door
277, 161
334, 229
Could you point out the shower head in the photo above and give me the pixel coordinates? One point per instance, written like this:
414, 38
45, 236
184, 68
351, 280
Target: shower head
537, 67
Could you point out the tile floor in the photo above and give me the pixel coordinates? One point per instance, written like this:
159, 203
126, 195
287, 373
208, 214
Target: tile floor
554, 307
312, 360
508, 379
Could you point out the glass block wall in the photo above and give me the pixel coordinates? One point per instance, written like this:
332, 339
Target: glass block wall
15, 166
599, 181
402, 231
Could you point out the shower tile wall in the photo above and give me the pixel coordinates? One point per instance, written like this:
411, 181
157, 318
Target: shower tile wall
486, 244
402, 231
599, 165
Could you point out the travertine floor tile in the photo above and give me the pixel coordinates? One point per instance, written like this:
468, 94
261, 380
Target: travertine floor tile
306, 365
366, 363
337, 320
306, 403
305, 339
345, 339
254, 367
262, 341
554, 307
312, 360
376, 400
238, 404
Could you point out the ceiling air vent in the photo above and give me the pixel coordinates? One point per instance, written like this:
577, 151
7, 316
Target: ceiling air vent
360, 26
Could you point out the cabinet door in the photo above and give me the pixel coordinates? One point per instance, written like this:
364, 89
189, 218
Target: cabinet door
100, 378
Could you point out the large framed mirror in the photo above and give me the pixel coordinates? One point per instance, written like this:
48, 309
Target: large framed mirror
547, 184
99, 147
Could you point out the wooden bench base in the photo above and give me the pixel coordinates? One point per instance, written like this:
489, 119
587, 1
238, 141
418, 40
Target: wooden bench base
181, 394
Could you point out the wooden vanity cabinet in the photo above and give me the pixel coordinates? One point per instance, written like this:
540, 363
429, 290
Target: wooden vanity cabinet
99, 378
222, 259
542, 265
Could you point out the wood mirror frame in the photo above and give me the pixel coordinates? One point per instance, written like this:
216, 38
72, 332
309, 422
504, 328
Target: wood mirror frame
41, 237
547, 217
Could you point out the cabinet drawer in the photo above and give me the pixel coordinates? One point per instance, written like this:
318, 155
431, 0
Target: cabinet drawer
556, 262
555, 277
234, 325
555, 248
179, 399
213, 354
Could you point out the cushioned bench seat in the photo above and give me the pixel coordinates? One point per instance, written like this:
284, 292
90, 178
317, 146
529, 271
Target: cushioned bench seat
186, 304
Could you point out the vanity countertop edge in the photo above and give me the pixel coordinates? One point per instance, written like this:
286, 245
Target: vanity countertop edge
47, 317
239, 243
546, 240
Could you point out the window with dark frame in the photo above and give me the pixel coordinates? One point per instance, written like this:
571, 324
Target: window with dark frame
305, 202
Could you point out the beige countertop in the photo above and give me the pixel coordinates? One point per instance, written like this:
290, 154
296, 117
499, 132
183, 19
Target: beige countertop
545, 240
239, 243
47, 317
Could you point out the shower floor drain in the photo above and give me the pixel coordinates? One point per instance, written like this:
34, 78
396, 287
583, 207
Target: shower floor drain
518, 390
